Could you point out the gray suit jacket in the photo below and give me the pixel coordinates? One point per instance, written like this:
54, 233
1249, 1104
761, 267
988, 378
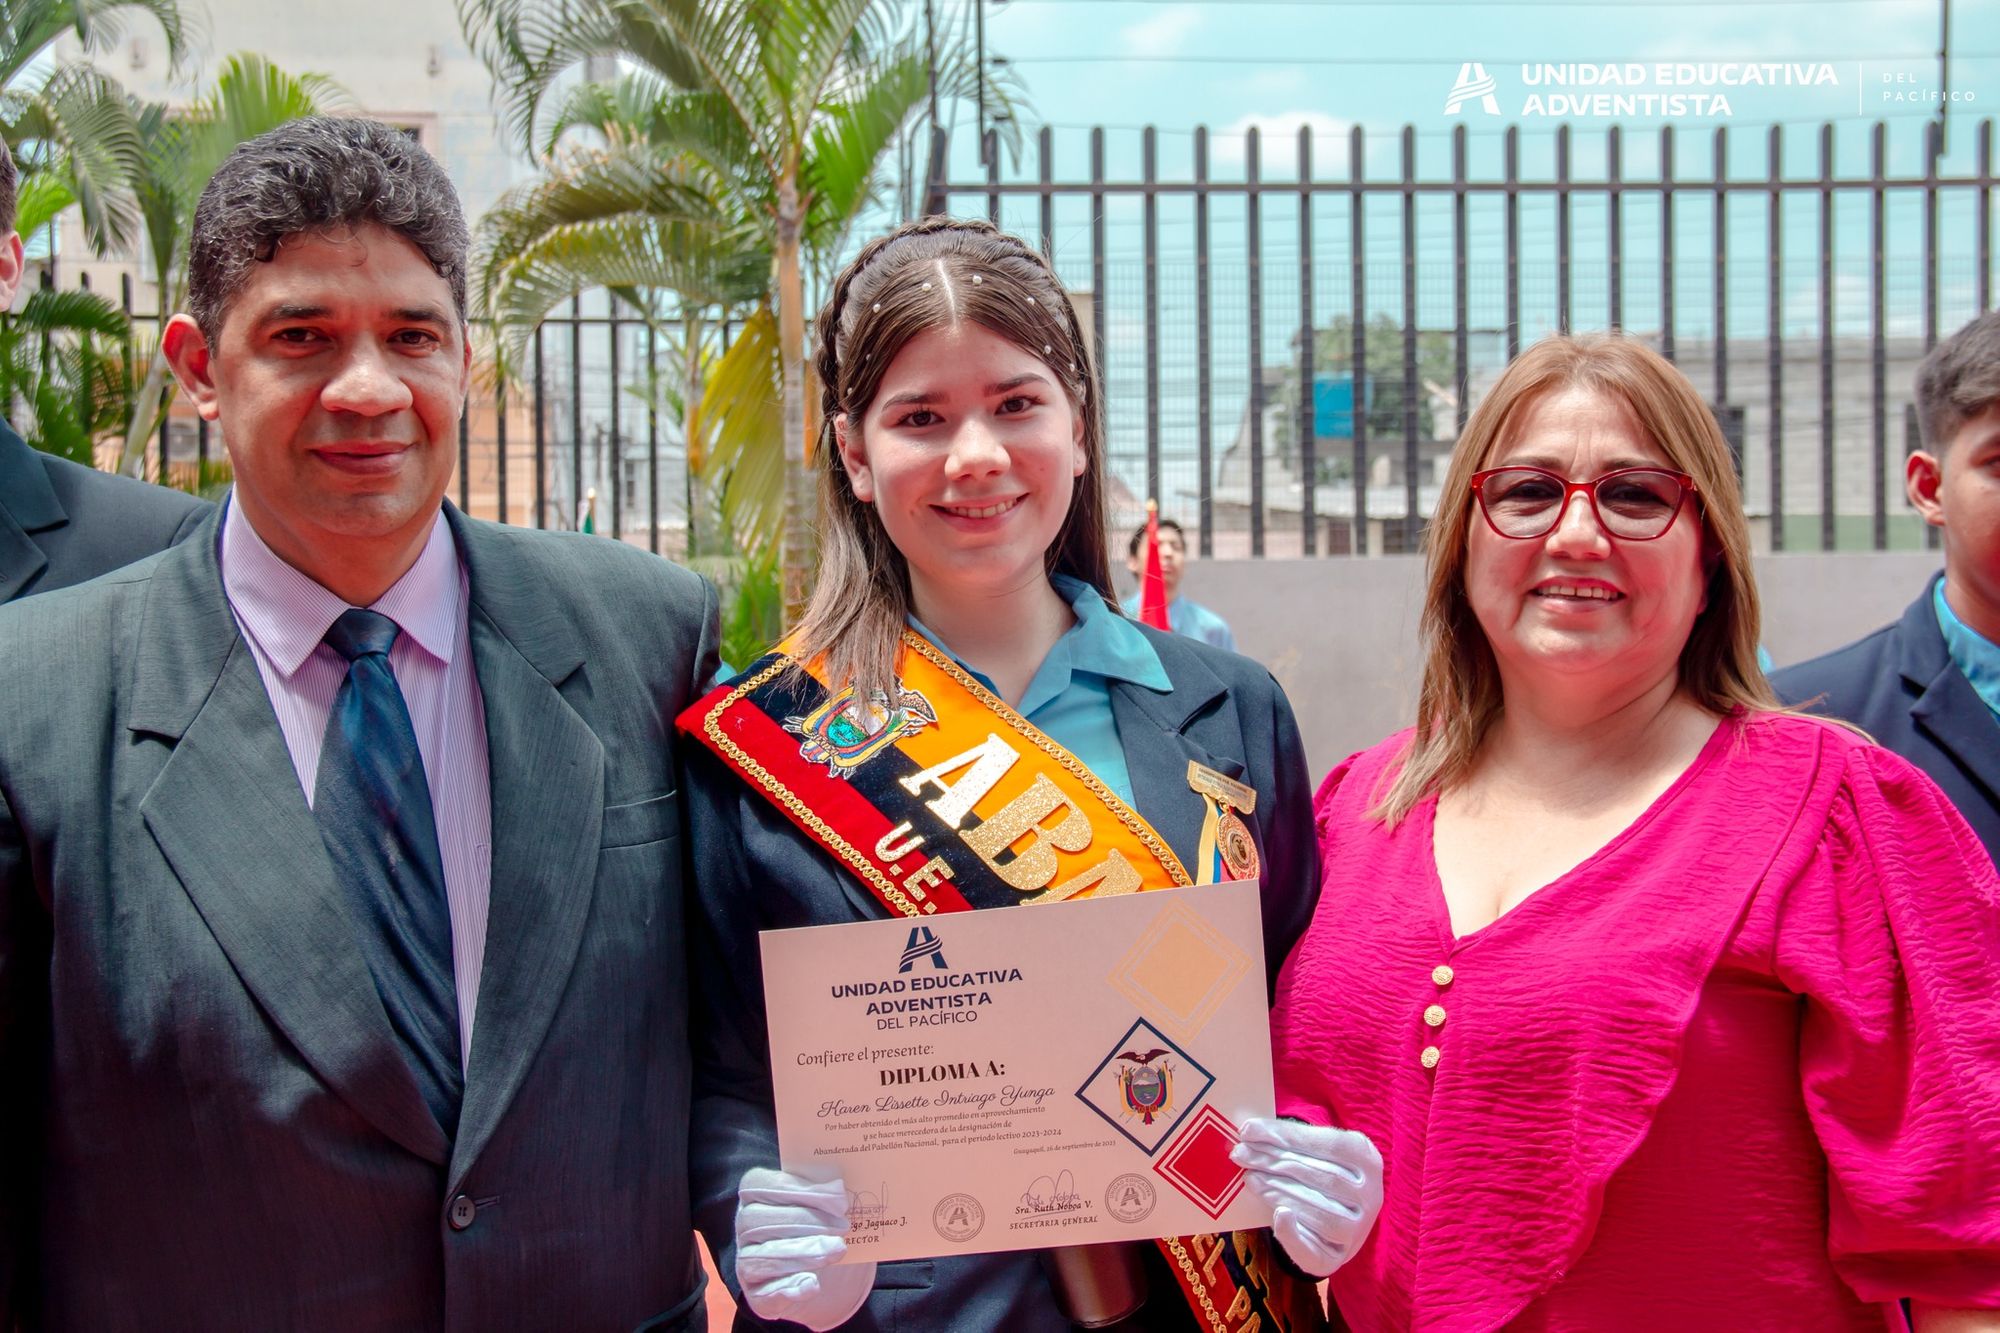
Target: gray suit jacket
62, 524
204, 1122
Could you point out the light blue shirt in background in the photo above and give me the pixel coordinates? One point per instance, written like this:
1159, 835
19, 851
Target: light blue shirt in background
1976, 657
1191, 619
1069, 698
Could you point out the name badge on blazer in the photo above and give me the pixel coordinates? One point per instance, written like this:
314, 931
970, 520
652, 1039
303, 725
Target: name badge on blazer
1228, 850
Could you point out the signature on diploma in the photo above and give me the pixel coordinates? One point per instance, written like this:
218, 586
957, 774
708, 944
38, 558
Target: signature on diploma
1052, 1194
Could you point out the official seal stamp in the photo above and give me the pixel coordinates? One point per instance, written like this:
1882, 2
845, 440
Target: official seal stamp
1130, 1198
958, 1217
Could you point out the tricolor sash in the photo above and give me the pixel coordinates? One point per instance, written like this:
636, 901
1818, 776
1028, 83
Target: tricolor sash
944, 799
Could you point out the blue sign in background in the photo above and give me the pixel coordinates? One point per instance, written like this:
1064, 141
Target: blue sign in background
1333, 406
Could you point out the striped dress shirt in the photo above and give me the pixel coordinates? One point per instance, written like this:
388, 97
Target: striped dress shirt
284, 617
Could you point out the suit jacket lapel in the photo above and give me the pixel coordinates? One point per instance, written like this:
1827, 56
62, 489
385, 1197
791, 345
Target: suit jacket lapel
1160, 734
27, 504
1948, 709
228, 815
548, 805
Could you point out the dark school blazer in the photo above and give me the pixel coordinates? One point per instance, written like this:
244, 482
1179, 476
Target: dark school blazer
758, 872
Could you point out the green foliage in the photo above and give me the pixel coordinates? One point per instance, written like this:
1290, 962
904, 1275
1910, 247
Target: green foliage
753, 605
1333, 354
64, 371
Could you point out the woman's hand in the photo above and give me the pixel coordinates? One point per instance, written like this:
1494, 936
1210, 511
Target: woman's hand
1324, 1187
789, 1242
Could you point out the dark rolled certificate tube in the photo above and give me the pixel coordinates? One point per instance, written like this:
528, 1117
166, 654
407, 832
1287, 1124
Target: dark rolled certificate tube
1097, 1285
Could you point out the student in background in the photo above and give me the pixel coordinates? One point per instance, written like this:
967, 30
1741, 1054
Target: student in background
1189, 618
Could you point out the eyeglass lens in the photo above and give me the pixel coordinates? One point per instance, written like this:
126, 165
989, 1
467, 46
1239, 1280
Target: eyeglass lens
1524, 502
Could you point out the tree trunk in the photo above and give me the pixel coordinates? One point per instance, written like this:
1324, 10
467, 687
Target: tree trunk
798, 525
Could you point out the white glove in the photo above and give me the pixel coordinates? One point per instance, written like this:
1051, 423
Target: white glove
1324, 1187
788, 1248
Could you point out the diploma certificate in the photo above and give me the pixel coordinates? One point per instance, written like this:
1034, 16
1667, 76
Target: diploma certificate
1018, 1078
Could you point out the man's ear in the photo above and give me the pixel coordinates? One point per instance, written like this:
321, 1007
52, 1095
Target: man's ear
1923, 475
854, 457
12, 265
188, 353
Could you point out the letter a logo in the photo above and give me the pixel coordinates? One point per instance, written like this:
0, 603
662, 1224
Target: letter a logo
922, 944
1473, 82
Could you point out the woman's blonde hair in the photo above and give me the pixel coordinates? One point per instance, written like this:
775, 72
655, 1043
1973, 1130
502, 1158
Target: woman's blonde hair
1461, 695
927, 274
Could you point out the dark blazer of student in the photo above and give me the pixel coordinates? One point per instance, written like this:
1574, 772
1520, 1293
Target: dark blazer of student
62, 523
759, 873
1902, 688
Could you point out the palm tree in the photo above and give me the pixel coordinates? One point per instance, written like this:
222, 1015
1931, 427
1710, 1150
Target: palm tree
74, 120
181, 150
782, 109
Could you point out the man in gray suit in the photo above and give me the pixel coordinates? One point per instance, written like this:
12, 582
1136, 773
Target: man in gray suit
60, 522
306, 1021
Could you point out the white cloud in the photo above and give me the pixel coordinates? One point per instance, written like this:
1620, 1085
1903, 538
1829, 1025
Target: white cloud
1278, 151
1162, 32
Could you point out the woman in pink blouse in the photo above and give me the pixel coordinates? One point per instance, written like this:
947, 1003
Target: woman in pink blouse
1666, 1009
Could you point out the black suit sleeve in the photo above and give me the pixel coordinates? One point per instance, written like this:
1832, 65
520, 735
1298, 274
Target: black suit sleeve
24, 987
1291, 875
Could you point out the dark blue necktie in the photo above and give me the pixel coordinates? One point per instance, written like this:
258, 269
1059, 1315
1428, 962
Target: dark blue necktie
374, 812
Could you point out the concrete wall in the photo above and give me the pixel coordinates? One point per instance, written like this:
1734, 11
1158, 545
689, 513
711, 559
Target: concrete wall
1341, 635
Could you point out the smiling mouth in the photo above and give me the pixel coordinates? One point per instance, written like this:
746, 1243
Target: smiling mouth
1578, 592
980, 511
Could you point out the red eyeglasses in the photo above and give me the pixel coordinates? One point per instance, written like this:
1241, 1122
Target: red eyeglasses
1634, 504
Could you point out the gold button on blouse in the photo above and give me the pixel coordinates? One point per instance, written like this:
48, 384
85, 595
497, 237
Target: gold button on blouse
1434, 1016
1442, 974
1430, 1057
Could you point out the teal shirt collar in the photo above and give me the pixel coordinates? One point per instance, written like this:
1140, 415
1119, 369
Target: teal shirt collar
1976, 657
1101, 643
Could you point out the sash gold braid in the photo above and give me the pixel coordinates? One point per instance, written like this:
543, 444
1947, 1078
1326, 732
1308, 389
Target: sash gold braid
711, 726
1192, 1276
1125, 814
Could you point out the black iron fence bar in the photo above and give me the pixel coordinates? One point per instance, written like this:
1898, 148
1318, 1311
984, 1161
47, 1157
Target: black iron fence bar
1614, 232
1308, 453
1723, 267
1512, 188
989, 152
1827, 532
1878, 350
617, 451
1774, 343
653, 443
1412, 515
1984, 242
1252, 228
1097, 265
541, 434
1667, 256
1045, 153
577, 492
1461, 288
1562, 230
1204, 377
464, 456
1151, 209
1357, 323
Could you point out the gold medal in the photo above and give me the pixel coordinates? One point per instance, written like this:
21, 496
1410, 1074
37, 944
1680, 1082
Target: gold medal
1224, 834
1239, 849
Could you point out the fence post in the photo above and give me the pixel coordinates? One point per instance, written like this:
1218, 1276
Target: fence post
1308, 446
1614, 232
1204, 375
1878, 352
1253, 238
1774, 342
1357, 332
1827, 534
1150, 204
1461, 279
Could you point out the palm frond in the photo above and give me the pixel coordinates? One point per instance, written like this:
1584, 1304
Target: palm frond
82, 117
740, 432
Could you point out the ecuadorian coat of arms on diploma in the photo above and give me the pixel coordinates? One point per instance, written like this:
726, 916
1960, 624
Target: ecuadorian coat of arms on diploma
1006, 1080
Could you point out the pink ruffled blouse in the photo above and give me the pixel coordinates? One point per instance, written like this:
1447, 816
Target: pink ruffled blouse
1738, 1069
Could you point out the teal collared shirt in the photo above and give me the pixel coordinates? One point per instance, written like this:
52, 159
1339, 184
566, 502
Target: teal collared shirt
1976, 657
1069, 698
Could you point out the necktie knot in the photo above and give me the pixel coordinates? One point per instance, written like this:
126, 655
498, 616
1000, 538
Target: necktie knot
359, 633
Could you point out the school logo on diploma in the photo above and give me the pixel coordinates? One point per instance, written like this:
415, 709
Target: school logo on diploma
923, 944
844, 735
1145, 1086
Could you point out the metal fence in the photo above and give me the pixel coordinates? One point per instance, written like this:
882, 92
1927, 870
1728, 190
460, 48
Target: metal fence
1236, 316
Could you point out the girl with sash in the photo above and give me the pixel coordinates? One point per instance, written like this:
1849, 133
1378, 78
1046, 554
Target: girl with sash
960, 675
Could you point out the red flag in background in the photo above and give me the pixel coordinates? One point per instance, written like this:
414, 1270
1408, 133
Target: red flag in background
1153, 583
